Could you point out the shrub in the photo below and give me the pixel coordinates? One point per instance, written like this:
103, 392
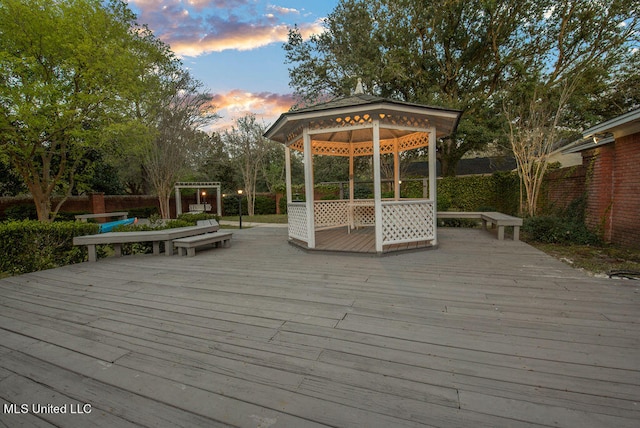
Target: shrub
558, 230
193, 219
143, 212
497, 192
21, 212
29, 246
264, 205
230, 205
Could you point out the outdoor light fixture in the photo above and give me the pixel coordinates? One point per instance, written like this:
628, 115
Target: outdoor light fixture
240, 206
204, 202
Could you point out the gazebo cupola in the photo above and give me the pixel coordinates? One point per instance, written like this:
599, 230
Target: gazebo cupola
363, 125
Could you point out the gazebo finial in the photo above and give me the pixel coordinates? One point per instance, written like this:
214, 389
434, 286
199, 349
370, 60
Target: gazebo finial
359, 89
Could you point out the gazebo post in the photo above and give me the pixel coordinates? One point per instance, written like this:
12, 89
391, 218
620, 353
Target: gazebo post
396, 171
308, 188
376, 185
287, 168
432, 182
351, 181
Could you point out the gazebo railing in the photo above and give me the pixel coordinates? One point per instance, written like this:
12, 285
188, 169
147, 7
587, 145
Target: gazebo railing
407, 221
329, 214
297, 214
402, 221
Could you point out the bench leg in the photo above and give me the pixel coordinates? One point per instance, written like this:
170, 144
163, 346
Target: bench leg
191, 252
501, 233
516, 233
484, 224
168, 248
182, 251
91, 248
156, 248
117, 249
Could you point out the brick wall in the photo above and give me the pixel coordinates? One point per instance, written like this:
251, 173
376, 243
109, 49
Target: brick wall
613, 186
97, 203
625, 213
610, 177
561, 187
600, 163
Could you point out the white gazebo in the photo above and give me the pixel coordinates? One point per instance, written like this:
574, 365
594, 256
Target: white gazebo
363, 125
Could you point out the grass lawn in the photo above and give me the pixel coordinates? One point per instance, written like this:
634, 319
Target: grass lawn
267, 218
594, 259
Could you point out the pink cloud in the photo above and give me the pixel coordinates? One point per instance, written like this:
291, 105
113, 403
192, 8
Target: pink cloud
236, 103
196, 27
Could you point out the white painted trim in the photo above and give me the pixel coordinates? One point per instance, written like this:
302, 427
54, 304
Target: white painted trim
377, 194
287, 166
432, 182
308, 188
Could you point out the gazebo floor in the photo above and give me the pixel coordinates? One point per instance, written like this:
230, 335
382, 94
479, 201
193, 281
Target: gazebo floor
360, 240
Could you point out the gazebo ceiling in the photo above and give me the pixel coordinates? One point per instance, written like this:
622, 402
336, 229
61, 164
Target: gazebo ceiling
343, 127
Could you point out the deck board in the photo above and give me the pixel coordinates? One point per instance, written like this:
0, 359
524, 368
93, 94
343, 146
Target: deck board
477, 332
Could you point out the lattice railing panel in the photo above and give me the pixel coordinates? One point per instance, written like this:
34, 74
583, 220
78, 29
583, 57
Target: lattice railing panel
362, 213
407, 221
330, 214
297, 213
403, 120
413, 141
331, 149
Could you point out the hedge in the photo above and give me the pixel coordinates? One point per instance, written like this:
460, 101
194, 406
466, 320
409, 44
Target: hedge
498, 192
29, 245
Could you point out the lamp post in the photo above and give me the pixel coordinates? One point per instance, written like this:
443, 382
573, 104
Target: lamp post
204, 202
240, 206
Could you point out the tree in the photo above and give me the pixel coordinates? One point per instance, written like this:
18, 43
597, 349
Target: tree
572, 45
248, 148
444, 53
68, 70
177, 138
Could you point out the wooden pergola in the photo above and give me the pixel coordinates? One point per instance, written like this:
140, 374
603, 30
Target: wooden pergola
363, 125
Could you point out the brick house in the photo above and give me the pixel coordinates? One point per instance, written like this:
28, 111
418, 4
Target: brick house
611, 164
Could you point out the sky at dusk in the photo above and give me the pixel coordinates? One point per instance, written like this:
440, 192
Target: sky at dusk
235, 47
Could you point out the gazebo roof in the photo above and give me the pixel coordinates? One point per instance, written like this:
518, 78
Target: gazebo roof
347, 120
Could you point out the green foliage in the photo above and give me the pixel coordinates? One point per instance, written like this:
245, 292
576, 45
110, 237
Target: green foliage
29, 246
21, 212
230, 205
497, 192
558, 230
458, 222
264, 205
192, 219
73, 76
143, 212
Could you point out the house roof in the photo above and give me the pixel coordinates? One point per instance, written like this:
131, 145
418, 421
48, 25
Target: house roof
606, 132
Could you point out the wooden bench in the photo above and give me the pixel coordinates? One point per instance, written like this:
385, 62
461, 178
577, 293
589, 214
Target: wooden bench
493, 218
154, 236
122, 215
189, 244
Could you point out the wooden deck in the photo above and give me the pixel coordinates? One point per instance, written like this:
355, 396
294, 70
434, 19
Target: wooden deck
478, 332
